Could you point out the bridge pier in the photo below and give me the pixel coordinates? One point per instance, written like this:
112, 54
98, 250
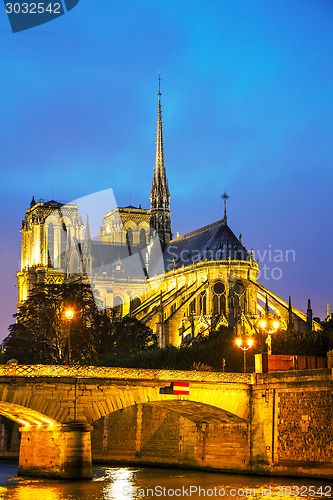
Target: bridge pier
60, 451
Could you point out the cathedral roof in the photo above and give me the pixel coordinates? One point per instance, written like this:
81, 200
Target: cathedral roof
213, 242
115, 260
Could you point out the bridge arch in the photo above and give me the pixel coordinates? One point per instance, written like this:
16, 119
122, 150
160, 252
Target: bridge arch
109, 399
26, 417
176, 433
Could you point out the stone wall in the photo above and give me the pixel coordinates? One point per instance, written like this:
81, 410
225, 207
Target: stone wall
305, 427
292, 423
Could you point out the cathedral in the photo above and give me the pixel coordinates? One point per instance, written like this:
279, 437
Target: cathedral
183, 287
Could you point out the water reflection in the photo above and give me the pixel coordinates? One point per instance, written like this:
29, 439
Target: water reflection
120, 481
129, 483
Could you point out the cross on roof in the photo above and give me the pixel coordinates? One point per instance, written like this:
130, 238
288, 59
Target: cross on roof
225, 197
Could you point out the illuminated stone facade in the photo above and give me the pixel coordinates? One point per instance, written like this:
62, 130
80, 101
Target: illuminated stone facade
206, 278
129, 226
47, 231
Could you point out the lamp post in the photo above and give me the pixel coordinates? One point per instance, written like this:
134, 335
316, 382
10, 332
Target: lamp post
269, 325
69, 315
245, 348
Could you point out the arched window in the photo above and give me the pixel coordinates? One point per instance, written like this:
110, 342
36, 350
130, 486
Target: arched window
222, 305
239, 288
63, 238
118, 305
239, 296
192, 307
129, 238
219, 301
215, 304
203, 301
135, 303
74, 267
50, 243
143, 240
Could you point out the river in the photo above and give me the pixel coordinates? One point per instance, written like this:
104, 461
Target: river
135, 483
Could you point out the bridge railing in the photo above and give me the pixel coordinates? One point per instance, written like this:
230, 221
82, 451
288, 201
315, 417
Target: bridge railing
121, 373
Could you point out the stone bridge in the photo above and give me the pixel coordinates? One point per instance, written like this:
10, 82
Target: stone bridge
269, 423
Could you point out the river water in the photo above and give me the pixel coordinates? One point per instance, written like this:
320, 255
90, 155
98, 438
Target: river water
134, 483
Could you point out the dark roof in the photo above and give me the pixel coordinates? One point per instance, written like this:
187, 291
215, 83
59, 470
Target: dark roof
213, 242
117, 260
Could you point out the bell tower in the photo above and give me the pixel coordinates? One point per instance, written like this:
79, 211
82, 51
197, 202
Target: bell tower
160, 215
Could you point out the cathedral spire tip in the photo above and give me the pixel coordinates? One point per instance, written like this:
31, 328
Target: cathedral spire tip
225, 197
160, 194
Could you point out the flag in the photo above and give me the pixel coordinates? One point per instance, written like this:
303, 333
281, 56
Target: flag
181, 388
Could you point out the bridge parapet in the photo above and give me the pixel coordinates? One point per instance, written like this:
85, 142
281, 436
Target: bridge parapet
294, 376
122, 373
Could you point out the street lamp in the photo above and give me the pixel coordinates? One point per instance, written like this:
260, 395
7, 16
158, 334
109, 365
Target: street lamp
269, 325
245, 348
69, 315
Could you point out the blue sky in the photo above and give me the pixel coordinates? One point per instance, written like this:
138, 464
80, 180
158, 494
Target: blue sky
247, 108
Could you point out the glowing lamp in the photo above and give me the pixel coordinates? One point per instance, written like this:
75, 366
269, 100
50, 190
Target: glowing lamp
69, 313
276, 324
263, 323
250, 342
238, 342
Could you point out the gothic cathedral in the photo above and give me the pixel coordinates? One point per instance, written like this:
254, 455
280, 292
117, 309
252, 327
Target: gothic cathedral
182, 288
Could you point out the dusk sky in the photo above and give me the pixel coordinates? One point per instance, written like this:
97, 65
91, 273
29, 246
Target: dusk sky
247, 101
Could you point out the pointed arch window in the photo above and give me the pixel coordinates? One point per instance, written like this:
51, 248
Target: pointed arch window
129, 238
63, 239
143, 240
239, 295
50, 243
219, 300
135, 303
118, 306
203, 302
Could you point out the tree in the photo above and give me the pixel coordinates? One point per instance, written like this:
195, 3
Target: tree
302, 343
130, 336
41, 331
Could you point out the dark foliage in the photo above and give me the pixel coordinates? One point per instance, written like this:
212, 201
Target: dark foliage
209, 351
303, 343
40, 334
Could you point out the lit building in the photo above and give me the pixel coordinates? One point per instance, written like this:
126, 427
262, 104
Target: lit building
205, 279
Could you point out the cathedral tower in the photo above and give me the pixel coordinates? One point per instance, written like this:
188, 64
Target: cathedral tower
160, 215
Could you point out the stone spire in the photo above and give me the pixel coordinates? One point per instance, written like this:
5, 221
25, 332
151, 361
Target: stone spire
266, 307
87, 249
160, 215
290, 315
309, 316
